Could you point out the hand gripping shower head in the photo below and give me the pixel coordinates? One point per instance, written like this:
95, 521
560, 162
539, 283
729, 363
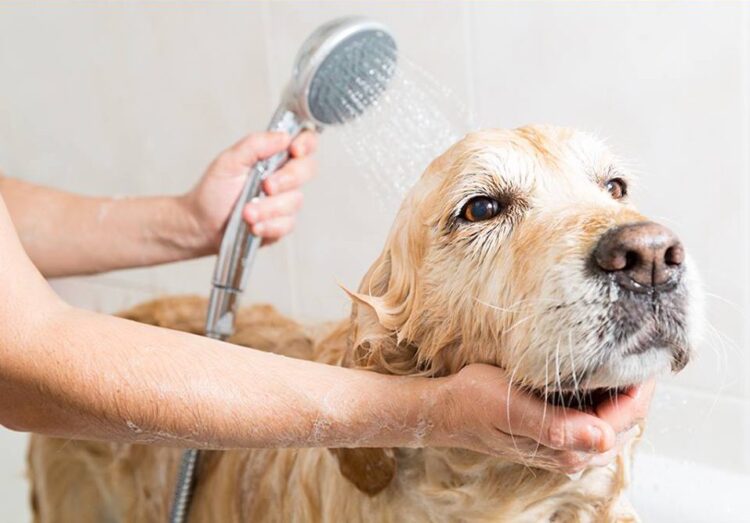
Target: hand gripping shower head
341, 68
339, 71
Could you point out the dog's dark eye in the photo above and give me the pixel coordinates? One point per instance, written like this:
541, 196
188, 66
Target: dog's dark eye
617, 188
480, 208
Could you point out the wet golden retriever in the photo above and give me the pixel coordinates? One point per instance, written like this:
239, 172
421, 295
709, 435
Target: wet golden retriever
519, 248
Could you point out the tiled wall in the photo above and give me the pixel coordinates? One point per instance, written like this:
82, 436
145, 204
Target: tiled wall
136, 99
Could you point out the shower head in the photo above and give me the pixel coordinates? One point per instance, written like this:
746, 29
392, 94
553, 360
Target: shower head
341, 68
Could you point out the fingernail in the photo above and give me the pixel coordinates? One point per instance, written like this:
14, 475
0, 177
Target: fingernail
597, 438
252, 214
259, 229
271, 186
575, 476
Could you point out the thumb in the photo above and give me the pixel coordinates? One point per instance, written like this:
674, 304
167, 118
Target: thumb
557, 427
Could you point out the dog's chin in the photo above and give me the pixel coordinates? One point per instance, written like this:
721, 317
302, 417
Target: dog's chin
621, 375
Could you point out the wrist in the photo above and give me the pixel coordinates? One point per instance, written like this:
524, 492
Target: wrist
440, 411
194, 233
416, 407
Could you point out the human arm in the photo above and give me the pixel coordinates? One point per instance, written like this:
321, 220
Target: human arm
66, 234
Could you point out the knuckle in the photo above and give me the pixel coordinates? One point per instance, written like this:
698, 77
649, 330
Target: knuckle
251, 141
556, 435
289, 179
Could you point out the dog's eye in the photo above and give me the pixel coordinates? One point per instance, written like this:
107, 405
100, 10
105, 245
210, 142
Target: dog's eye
617, 188
480, 208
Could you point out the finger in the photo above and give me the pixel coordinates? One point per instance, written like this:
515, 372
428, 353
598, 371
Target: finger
274, 229
573, 463
628, 408
528, 452
304, 145
294, 173
257, 146
558, 427
263, 209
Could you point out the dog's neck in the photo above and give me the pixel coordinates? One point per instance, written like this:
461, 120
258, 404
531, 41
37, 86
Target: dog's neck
437, 475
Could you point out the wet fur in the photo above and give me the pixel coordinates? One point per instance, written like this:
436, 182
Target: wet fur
443, 294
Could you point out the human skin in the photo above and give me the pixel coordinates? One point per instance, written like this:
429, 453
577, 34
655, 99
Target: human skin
68, 234
72, 373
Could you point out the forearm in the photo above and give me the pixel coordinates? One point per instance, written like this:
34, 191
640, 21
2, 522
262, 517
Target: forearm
108, 378
67, 234
74, 373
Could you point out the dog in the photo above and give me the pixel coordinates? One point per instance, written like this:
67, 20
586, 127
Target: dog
516, 248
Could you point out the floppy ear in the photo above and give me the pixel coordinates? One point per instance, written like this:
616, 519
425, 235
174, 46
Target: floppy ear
370, 470
382, 323
376, 341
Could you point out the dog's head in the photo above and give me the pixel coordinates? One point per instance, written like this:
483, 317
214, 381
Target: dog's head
522, 249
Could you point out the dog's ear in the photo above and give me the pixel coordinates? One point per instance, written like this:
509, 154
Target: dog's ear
370, 470
380, 310
382, 323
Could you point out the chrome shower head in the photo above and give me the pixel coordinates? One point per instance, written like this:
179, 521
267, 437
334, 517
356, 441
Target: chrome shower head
340, 70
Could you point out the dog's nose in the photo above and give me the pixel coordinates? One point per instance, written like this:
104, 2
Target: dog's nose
640, 255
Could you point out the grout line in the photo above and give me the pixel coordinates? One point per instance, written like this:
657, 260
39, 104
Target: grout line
745, 175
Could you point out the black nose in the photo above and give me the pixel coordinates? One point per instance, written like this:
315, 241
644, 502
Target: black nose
640, 255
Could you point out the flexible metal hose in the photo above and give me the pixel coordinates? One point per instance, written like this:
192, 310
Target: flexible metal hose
184, 488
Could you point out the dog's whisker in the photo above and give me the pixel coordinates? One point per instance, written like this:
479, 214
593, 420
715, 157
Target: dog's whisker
722, 299
573, 370
544, 408
508, 410
721, 348
511, 308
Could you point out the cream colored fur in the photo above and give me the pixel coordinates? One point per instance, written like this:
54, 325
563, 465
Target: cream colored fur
513, 292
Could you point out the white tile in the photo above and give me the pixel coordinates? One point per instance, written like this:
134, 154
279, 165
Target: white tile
98, 296
705, 427
134, 99
664, 83
680, 491
127, 98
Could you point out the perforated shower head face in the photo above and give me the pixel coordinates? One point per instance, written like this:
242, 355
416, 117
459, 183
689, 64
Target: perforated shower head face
342, 68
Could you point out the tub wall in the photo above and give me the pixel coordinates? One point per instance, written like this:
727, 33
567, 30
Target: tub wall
135, 100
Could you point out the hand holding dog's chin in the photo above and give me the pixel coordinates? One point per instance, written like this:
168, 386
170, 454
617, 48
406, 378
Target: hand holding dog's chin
478, 410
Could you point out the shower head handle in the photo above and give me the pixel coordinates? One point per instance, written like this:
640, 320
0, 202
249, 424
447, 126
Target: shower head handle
238, 245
